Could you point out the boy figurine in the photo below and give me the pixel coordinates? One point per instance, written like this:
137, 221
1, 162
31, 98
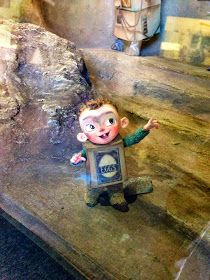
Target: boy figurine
103, 150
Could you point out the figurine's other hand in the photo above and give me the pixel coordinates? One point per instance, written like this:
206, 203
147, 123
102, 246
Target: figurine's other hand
77, 158
152, 123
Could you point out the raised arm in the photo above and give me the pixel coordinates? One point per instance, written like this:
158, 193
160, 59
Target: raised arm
140, 133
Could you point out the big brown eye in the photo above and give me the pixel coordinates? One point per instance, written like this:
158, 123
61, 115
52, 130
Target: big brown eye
89, 127
110, 121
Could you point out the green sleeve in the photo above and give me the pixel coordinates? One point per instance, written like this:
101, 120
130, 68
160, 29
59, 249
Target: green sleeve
135, 138
83, 153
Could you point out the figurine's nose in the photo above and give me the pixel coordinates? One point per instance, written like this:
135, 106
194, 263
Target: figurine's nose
101, 129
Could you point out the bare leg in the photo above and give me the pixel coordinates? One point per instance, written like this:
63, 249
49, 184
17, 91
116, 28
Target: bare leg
91, 197
134, 49
117, 200
138, 185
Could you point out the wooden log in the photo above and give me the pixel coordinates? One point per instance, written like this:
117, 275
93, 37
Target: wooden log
176, 94
100, 242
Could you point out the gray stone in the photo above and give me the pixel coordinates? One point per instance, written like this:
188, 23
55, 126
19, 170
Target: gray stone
43, 81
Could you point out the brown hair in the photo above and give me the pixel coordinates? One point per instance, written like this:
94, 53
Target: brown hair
94, 104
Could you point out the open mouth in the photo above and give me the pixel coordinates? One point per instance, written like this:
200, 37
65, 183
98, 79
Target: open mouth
104, 136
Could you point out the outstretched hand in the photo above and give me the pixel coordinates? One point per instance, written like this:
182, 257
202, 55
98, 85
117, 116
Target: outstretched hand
77, 158
152, 123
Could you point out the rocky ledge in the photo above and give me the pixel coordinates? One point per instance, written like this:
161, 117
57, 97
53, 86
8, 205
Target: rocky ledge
43, 79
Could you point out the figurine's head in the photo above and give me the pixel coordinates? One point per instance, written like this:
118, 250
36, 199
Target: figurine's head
100, 122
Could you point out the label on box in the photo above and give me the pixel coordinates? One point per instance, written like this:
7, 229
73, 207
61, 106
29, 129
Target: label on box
108, 167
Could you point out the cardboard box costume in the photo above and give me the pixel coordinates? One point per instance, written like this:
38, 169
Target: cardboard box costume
105, 166
136, 20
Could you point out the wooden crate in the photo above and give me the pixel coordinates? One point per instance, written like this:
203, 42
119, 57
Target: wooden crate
133, 29
137, 5
105, 164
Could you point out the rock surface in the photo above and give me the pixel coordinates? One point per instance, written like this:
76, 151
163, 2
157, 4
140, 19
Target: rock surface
47, 197
90, 23
43, 80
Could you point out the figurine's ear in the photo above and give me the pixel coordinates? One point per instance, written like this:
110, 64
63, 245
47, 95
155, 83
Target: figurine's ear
124, 122
81, 137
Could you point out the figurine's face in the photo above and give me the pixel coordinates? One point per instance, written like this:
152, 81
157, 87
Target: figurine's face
100, 126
